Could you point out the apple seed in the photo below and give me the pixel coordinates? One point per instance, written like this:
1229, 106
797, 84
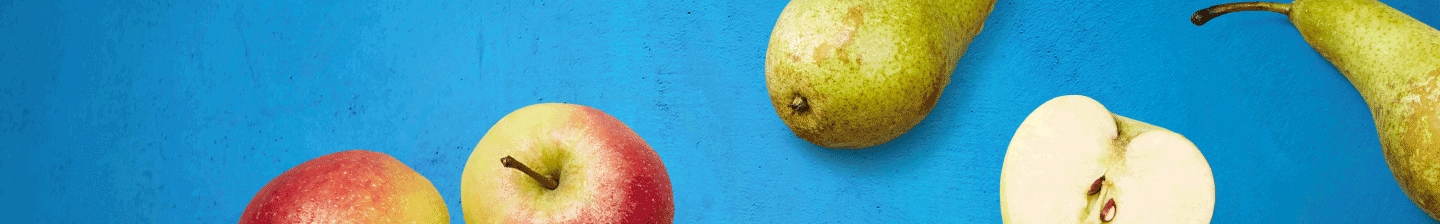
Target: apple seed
1095, 187
1108, 212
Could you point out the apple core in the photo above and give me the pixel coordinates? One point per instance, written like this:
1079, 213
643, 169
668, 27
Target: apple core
1108, 210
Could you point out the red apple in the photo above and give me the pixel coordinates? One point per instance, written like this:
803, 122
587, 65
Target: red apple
564, 163
355, 186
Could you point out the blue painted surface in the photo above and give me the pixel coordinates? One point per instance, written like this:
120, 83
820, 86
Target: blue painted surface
179, 111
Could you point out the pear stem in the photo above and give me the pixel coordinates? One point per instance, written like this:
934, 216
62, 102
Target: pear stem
547, 182
1205, 15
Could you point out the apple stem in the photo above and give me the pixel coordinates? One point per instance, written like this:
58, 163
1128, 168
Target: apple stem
1205, 15
546, 182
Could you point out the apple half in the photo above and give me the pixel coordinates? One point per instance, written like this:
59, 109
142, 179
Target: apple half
1072, 161
564, 163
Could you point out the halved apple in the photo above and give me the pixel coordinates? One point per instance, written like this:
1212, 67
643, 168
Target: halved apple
1072, 161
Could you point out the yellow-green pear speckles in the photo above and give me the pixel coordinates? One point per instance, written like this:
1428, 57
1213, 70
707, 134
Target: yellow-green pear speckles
854, 74
1394, 62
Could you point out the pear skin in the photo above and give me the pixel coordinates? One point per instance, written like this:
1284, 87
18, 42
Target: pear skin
1393, 60
854, 74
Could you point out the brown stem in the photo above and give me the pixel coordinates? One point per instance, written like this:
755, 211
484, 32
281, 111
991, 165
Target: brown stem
1107, 213
1095, 187
546, 182
1205, 15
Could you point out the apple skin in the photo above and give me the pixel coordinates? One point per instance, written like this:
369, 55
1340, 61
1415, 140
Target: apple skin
606, 172
355, 186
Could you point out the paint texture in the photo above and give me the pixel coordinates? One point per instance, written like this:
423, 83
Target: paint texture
180, 111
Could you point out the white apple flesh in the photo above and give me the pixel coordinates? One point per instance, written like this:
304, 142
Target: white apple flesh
1054, 167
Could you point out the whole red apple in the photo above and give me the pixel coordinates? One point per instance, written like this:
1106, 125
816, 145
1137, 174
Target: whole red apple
355, 186
564, 163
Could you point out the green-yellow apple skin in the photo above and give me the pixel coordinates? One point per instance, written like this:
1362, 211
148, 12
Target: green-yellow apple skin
854, 74
355, 186
606, 172
1393, 60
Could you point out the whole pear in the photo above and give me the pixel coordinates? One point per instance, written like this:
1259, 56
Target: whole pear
1394, 62
854, 74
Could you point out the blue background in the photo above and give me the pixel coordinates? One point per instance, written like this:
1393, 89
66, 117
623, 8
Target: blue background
179, 111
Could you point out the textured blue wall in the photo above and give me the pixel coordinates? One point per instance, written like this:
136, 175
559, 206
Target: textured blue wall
179, 111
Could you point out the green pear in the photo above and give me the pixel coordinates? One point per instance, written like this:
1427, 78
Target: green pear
854, 74
1394, 62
